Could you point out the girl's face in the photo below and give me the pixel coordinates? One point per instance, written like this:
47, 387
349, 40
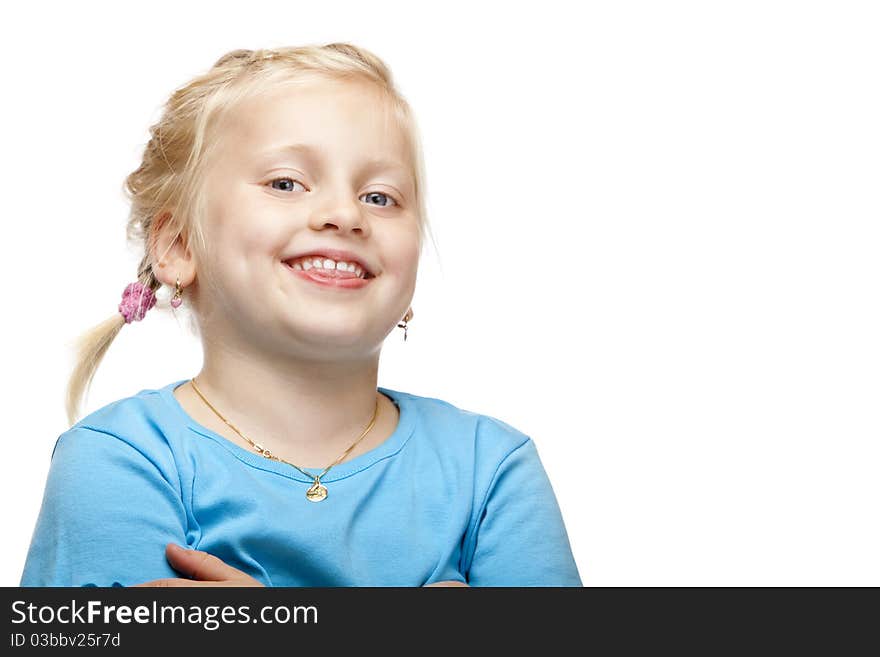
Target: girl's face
299, 171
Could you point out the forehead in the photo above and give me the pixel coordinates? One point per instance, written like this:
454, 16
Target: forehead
318, 120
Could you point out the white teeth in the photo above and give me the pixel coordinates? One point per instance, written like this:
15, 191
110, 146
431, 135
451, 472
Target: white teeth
327, 263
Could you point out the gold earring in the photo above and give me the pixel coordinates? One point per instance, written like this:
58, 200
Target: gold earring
406, 318
177, 299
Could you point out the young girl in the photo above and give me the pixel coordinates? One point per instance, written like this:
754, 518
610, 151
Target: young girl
281, 198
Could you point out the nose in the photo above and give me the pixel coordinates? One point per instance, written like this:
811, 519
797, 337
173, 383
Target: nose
341, 211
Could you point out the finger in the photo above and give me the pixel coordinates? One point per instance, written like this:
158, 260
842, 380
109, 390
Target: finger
449, 582
200, 565
168, 582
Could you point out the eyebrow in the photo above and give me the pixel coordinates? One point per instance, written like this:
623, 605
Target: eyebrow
373, 165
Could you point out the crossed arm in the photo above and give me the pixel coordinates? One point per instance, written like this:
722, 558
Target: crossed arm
207, 570
519, 539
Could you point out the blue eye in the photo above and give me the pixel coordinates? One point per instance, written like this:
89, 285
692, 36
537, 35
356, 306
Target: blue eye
388, 198
286, 178
382, 194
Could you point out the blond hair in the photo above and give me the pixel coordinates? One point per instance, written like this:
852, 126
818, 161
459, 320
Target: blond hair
171, 171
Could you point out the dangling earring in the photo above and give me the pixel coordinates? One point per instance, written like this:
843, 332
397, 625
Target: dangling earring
406, 318
177, 299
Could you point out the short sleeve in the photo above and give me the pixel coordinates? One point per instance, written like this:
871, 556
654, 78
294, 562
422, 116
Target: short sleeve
108, 510
520, 538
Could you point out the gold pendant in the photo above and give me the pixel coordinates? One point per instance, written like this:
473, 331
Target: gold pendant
317, 492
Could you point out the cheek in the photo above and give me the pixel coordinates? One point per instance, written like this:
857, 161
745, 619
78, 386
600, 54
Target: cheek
403, 249
243, 258
242, 224
249, 236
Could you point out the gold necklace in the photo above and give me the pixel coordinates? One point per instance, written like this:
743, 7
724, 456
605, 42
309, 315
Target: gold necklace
317, 491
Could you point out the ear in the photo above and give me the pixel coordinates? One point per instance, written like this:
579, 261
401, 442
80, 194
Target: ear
170, 252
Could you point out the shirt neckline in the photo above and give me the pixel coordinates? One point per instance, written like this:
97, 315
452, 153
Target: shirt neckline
405, 426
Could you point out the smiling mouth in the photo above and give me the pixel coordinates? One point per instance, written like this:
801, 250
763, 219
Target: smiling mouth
334, 278
331, 273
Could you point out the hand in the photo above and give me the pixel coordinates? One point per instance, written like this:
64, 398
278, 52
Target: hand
204, 568
448, 582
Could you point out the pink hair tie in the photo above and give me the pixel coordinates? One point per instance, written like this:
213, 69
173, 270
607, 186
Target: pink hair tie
137, 299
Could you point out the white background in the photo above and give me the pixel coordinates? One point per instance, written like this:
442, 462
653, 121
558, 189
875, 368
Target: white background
657, 254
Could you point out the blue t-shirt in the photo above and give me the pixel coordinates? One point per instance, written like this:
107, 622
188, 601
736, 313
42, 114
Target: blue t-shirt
450, 495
